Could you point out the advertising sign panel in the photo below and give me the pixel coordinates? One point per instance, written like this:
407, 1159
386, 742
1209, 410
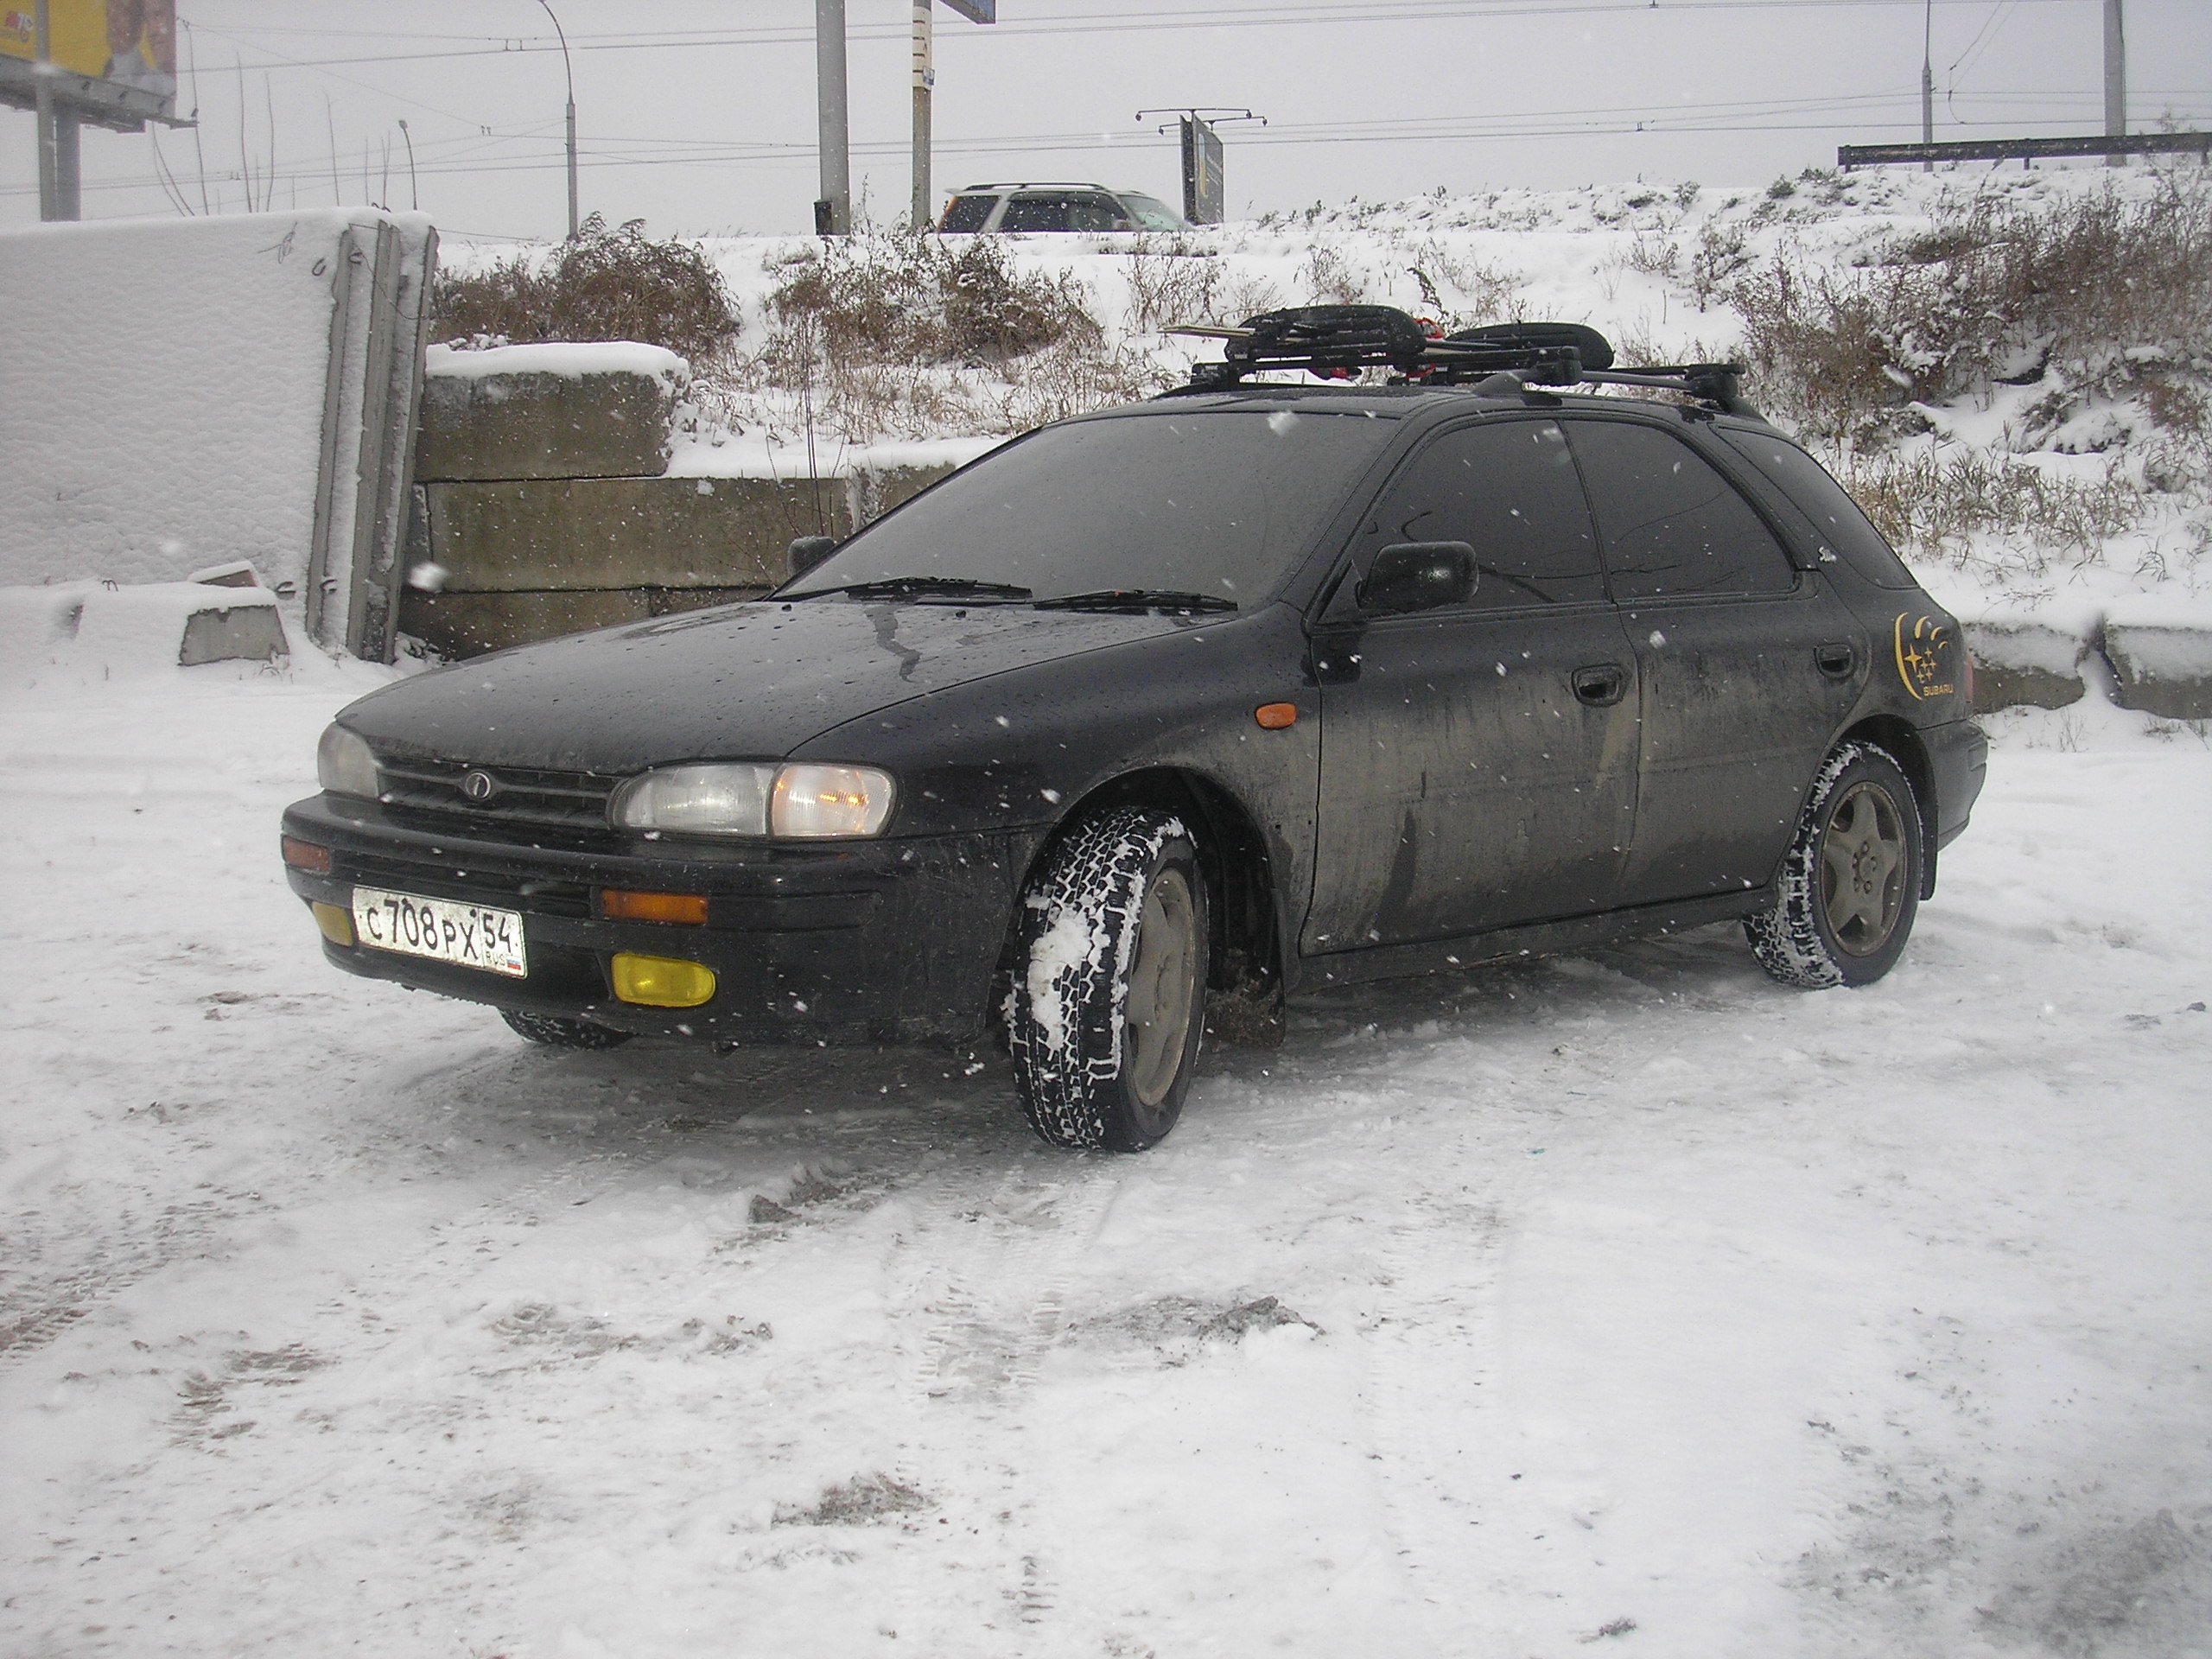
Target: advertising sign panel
118, 58
1204, 197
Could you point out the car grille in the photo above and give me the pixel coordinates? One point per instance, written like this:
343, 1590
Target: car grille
520, 795
441, 880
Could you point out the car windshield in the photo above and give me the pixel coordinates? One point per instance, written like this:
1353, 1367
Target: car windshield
1151, 212
1224, 503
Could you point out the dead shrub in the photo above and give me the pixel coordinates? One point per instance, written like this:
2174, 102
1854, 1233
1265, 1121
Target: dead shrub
606, 284
914, 300
2078, 292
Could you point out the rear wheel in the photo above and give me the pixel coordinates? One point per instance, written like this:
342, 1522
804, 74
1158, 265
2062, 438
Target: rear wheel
1851, 880
1105, 1012
558, 1031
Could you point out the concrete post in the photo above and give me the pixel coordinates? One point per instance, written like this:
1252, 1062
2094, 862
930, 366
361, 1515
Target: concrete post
834, 208
2115, 78
42, 50
923, 211
68, 171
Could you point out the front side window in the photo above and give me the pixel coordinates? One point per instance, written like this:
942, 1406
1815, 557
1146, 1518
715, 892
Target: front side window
1151, 213
969, 214
1674, 528
1095, 212
1226, 503
1508, 490
1036, 213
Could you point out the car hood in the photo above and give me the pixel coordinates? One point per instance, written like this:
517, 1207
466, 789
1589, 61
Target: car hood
742, 682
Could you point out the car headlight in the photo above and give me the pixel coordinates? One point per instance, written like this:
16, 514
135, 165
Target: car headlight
813, 800
749, 799
344, 765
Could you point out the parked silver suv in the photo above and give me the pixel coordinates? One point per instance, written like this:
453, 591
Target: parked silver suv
1028, 206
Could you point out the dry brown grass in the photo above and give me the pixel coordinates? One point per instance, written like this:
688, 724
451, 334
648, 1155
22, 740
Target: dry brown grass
606, 284
2100, 296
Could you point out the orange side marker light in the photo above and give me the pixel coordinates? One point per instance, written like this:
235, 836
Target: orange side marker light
618, 906
1276, 717
305, 855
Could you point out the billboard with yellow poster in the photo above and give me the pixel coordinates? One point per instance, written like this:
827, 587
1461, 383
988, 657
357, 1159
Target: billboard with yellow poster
117, 58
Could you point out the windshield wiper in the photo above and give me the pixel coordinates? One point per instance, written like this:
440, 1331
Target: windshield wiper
924, 587
1137, 599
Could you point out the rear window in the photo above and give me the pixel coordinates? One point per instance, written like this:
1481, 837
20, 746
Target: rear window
1836, 518
968, 214
1224, 502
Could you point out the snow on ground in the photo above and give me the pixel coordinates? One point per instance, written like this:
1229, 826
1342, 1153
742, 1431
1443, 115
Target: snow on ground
1624, 1300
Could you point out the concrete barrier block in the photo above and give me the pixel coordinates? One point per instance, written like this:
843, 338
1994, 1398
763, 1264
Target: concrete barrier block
459, 625
2023, 662
547, 411
554, 534
467, 625
2161, 659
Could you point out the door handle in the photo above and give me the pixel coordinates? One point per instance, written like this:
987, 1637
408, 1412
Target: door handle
1835, 660
1601, 686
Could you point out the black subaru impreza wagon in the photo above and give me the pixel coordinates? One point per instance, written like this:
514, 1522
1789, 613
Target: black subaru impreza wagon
1181, 711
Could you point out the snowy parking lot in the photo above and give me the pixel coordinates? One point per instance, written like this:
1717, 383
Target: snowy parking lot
1624, 1301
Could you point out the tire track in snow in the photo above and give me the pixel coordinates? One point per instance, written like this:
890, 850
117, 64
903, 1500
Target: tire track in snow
990, 1308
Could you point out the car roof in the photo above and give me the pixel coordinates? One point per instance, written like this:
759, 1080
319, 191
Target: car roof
1038, 184
1400, 402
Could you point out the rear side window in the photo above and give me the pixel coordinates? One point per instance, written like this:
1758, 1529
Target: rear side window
1673, 527
969, 214
1836, 519
1510, 491
1036, 213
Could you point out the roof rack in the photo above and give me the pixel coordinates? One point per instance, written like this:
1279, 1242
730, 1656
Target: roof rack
1504, 358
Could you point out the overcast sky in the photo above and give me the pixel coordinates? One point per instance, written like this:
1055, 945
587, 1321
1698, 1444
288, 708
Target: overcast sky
698, 116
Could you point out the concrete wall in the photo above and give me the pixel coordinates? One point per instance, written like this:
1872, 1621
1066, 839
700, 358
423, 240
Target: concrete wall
543, 508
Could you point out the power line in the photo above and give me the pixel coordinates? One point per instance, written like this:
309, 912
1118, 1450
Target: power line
1283, 16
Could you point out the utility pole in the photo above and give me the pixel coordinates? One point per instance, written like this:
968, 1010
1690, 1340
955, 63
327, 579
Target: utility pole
833, 208
568, 70
919, 213
1928, 81
2115, 78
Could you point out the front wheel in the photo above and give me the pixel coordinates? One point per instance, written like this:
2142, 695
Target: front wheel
1850, 880
1107, 1004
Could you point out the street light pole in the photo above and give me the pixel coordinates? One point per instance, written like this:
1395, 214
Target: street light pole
568, 70
414, 195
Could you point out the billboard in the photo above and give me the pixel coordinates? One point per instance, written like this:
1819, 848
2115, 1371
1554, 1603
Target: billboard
118, 58
1204, 200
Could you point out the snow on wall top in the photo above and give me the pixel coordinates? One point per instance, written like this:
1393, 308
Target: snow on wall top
162, 392
571, 361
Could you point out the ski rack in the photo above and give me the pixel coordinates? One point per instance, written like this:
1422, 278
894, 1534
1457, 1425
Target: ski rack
1340, 341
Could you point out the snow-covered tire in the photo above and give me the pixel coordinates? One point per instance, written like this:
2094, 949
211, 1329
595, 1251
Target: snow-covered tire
558, 1031
1106, 1008
1850, 880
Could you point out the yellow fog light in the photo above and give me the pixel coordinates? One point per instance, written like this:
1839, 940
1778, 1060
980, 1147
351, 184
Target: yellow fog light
661, 982
336, 922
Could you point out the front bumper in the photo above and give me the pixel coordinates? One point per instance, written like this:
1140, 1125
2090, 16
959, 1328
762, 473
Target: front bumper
877, 941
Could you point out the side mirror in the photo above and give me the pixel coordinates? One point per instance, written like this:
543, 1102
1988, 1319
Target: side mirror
1419, 576
807, 551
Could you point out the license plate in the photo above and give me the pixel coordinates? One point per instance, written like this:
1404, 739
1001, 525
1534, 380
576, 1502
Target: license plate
442, 929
